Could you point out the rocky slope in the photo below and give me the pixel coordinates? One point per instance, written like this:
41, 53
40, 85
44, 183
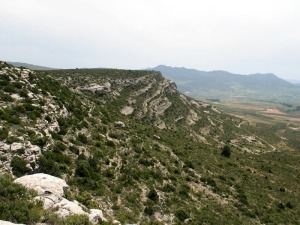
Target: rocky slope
128, 143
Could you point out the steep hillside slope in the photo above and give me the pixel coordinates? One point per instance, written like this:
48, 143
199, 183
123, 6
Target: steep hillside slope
227, 86
129, 143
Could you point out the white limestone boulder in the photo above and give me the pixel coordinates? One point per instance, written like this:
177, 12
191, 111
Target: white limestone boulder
50, 190
44, 184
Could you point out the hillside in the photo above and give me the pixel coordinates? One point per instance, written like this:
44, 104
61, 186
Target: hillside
227, 86
127, 142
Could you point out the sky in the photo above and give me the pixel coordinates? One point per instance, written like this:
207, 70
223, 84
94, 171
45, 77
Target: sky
239, 36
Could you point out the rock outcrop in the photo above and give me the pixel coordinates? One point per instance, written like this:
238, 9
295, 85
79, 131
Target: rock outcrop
50, 190
97, 89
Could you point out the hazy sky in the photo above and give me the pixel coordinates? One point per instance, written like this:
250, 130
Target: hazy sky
240, 36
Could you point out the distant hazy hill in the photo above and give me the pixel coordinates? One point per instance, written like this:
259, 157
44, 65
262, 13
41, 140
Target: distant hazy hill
294, 81
224, 85
30, 66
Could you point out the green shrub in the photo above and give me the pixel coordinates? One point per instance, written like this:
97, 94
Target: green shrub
10, 88
19, 166
3, 134
82, 138
41, 142
16, 204
109, 173
226, 151
59, 146
111, 144
18, 85
181, 215
77, 220
48, 163
168, 188
56, 136
189, 164
23, 93
242, 197
5, 97
10, 116
83, 169
54, 219
21, 151
12, 139
149, 210
289, 205
4, 80
153, 195
146, 162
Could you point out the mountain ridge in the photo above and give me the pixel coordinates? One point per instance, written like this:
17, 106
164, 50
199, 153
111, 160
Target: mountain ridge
220, 72
228, 86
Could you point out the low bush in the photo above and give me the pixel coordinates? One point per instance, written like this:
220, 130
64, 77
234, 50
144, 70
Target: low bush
82, 138
3, 134
19, 167
181, 214
16, 204
226, 151
153, 195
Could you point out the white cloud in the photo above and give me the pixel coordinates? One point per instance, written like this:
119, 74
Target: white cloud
238, 36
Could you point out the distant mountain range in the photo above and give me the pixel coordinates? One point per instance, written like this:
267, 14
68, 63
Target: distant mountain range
228, 86
30, 66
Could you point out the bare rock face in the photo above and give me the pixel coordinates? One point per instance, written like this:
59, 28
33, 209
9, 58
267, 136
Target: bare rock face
50, 189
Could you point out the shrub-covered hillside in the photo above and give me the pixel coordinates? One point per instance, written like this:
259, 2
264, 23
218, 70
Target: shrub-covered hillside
129, 143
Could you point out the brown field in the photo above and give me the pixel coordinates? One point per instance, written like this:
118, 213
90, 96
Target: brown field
273, 111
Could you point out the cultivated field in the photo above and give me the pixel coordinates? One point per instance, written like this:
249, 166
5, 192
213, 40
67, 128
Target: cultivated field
260, 112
